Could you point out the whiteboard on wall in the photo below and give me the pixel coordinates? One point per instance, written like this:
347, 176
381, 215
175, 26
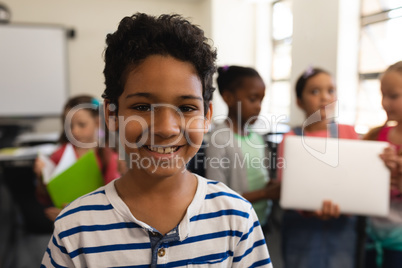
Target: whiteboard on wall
33, 70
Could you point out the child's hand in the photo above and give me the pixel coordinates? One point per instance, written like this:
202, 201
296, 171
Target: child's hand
328, 211
393, 161
389, 156
273, 189
38, 166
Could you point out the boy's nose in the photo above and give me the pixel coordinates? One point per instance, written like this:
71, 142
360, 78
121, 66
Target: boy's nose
167, 122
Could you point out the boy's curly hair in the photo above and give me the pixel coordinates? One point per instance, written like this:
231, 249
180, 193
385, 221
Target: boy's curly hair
142, 35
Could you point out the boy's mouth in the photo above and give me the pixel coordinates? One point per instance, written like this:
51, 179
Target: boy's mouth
163, 150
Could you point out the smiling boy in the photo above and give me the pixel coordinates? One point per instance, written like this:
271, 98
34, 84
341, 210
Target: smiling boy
158, 77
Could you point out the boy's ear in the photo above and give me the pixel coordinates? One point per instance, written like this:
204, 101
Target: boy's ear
111, 119
208, 117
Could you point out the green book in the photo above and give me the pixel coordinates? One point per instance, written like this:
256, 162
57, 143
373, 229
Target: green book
82, 177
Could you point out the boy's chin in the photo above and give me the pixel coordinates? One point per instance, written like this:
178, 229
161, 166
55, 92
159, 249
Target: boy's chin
165, 171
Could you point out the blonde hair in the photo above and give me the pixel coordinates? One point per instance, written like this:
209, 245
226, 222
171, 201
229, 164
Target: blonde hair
373, 133
397, 67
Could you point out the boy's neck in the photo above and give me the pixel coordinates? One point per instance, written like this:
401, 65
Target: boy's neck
159, 202
140, 183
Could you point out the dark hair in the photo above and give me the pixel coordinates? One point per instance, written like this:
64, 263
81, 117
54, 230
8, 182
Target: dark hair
142, 35
302, 80
230, 78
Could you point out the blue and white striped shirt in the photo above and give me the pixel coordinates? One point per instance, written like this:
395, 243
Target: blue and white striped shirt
220, 229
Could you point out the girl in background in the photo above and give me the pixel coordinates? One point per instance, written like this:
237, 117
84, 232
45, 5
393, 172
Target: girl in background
242, 89
84, 128
384, 248
324, 238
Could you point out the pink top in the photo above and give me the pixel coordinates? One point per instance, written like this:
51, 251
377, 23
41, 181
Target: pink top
344, 132
111, 172
383, 136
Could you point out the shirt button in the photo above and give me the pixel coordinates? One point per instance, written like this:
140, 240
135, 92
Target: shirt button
161, 252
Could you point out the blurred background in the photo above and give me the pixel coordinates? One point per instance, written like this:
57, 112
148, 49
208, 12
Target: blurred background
60, 54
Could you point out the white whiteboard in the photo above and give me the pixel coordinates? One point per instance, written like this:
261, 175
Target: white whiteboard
33, 70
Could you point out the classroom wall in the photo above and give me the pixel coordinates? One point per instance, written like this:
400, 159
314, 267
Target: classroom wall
348, 59
92, 20
238, 28
326, 35
240, 32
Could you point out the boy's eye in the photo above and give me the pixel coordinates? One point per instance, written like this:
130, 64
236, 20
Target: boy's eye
315, 91
185, 109
143, 108
331, 91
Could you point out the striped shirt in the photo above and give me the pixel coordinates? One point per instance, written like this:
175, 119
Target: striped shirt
220, 229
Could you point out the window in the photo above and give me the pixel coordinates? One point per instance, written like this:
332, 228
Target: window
282, 31
380, 46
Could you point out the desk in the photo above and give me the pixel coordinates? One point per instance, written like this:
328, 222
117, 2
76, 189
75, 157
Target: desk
26, 153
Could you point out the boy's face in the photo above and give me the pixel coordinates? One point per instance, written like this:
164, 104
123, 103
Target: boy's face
161, 115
